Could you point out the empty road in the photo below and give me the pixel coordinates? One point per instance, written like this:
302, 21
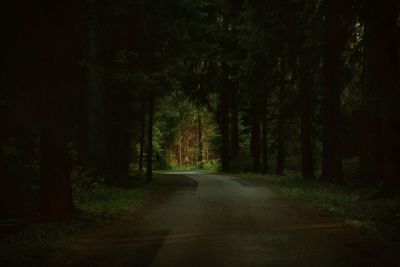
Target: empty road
215, 220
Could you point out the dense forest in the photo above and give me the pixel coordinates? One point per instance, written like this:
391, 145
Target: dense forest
110, 90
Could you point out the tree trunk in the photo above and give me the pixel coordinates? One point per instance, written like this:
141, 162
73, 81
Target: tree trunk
60, 36
255, 138
9, 192
142, 137
55, 186
306, 111
96, 83
83, 123
280, 156
264, 126
371, 141
388, 13
180, 150
235, 124
224, 125
332, 169
117, 135
150, 125
199, 141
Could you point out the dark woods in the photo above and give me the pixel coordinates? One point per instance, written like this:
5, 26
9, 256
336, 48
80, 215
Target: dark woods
304, 85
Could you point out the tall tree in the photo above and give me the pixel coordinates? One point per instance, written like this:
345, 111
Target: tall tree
332, 169
224, 98
199, 141
59, 37
96, 84
255, 138
150, 126
387, 17
265, 125
234, 138
305, 83
281, 153
306, 112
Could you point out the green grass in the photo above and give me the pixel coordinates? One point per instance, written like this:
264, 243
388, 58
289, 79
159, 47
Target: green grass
97, 205
378, 217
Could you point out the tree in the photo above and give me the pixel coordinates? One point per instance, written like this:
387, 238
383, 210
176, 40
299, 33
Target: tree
332, 169
381, 112
96, 88
60, 51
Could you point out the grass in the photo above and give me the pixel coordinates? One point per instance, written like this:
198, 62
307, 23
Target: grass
354, 206
97, 205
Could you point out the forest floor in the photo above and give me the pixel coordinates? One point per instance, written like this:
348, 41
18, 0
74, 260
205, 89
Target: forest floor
221, 220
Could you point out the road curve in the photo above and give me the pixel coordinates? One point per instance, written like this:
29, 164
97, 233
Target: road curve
215, 220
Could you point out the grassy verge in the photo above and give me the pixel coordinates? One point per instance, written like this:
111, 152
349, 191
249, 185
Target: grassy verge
96, 206
378, 217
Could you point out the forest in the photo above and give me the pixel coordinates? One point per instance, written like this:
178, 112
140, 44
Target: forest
104, 92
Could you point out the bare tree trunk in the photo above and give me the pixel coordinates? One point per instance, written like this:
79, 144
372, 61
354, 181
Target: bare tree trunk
59, 65
235, 124
83, 122
199, 141
264, 125
149, 170
142, 137
9, 195
332, 169
280, 157
117, 135
180, 150
306, 110
389, 51
96, 130
55, 186
224, 125
255, 138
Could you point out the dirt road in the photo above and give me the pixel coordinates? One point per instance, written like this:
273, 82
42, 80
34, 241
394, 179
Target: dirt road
214, 220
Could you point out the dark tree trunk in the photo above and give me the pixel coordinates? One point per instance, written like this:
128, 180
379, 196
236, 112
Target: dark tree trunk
256, 138
371, 146
224, 125
118, 138
332, 169
235, 124
60, 36
150, 124
264, 123
199, 141
55, 186
142, 139
83, 123
9, 193
96, 83
388, 13
306, 111
280, 156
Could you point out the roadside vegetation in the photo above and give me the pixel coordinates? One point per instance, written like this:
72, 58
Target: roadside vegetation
356, 206
96, 205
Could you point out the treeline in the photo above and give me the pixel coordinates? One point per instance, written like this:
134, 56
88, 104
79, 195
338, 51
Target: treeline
81, 82
314, 79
